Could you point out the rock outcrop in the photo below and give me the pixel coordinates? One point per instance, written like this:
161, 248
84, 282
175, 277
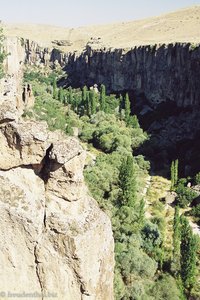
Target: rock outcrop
14, 98
153, 73
55, 240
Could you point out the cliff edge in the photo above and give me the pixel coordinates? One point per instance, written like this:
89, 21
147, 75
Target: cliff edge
55, 241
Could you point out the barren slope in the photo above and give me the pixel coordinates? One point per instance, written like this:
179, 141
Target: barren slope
178, 26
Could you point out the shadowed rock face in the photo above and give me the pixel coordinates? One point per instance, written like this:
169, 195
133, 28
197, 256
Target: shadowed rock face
154, 73
160, 80
157, 74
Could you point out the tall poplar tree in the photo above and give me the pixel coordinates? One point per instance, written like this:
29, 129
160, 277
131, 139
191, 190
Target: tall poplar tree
88, 105
84, 95
176, 171
61, 95
127, 182
93, 102
127, 108
70, 95
103, 97
172, 175
55, 93
175, 266
188, 250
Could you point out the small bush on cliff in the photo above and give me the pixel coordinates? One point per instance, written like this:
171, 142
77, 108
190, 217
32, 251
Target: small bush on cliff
2, 53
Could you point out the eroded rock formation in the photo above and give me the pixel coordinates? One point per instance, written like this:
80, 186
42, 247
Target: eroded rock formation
54, 238
55, 241
155, 73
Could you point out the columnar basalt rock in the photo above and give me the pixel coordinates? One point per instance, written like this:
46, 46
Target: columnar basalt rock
155, 73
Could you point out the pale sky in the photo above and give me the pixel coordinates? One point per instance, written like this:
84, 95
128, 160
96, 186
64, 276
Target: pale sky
73, 13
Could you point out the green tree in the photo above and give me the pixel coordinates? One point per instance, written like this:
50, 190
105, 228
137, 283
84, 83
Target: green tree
93, 102
166, 288
197, 178
152, 240
84, 101
188, 254
127, 183
61, 95
127, 109
2, 53
176, 171
121, 105
84, 94
55, 92
172, 175
141, 214
103, 97
175, 266
185, 195
70, 95
88, 105
133, 122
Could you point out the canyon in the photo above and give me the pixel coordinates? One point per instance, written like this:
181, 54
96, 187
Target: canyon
52, 231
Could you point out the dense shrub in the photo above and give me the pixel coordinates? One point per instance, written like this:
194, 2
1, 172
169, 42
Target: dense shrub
185, 195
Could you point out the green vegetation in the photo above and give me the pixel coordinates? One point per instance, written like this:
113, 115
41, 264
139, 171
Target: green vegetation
175, 266
127, 182
185, 195
2, 53
103, 97
174, 173
152, 253
188, 250
197, 178
127, 109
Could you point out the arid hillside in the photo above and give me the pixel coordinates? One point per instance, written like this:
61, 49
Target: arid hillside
178, 26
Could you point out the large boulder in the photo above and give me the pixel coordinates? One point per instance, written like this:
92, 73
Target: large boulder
55, 240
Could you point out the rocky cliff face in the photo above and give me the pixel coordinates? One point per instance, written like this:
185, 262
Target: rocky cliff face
54, 238
156, 74
14, 97
55, 241
36, 54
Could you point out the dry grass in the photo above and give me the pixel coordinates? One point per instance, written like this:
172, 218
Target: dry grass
158, 189
178, 26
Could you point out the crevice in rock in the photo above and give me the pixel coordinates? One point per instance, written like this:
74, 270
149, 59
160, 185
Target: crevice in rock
37, 272
46, 166
6, 120
83, 290
27, 167
45, 217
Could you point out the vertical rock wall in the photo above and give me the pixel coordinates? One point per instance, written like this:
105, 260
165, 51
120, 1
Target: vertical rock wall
156, 73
